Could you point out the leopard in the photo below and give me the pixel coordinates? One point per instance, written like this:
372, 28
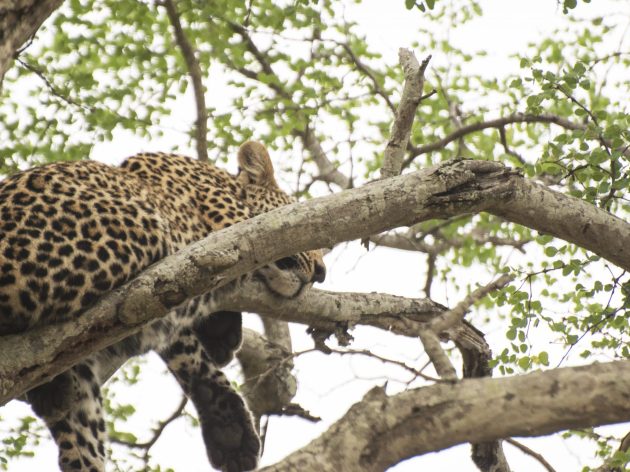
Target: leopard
71, 231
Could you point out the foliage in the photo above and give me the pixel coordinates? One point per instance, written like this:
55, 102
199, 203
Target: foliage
291, 71
20, 440
423, 5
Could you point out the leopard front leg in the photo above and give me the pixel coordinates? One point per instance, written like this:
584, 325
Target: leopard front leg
71, 406
221, 335
226, 424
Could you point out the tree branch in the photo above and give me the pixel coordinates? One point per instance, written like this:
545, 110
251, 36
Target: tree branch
157, 431
269, 384
450, 189
498, 123
194, 72
409, 101
380, 431
454, 316
19, 20
531, 453
439, 359
327, 171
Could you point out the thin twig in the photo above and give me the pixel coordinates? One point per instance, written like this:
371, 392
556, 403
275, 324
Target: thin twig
624, 445
506, 147
431, 260
51, 87
451, 317
157, 431
367, 353
368, 73
531, 453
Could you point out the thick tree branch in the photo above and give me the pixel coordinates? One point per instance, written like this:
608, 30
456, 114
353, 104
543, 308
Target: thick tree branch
20, 20
380, 431
194, 72
450, 189
328, 311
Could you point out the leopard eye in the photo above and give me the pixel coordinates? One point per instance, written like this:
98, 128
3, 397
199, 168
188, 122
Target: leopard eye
287, 263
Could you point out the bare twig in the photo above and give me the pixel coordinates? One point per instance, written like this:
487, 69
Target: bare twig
194, 72
507, 148
368, 73
157, 431
385, 360
50, 86
451, 317
531, 453
431, 260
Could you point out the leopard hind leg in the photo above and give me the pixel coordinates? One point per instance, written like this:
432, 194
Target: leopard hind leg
71, 407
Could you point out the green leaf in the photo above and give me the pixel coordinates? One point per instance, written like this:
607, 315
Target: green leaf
543, 358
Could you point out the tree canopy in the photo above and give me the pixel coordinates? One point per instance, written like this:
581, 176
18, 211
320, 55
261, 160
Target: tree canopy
524, 236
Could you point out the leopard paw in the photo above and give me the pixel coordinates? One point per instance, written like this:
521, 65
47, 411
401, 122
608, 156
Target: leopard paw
221, 335
54, 399
228, 430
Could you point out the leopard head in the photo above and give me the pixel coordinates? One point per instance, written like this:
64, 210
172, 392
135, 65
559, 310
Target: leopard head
261, 193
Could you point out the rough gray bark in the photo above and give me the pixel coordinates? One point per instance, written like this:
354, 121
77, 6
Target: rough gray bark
380, 431
453, 188
269, 383
19, 20
410, 99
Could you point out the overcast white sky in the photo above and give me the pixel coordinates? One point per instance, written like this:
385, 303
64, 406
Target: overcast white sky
329, 385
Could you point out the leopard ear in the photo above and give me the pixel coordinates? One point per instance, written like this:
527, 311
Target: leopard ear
255, 167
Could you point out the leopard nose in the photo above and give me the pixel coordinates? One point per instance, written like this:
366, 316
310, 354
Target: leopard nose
319, 275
